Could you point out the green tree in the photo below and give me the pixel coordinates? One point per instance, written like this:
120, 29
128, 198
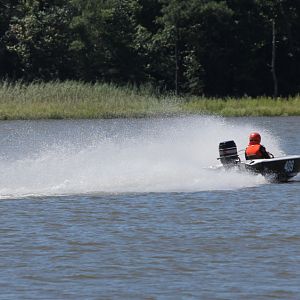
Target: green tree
8, 10
266, 46
40, 39
215, 47
173, 21
251, 72
197, 36
281, 18
105, 33
210, 42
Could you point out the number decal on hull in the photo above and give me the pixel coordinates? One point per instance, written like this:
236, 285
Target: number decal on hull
289, 166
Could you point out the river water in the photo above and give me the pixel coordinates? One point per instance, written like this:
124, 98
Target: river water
127, 209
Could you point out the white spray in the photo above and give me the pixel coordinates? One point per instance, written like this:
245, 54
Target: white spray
152, 155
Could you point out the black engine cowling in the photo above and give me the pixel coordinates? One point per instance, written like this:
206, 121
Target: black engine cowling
228, 153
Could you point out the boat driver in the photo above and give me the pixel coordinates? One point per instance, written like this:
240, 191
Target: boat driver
255, 150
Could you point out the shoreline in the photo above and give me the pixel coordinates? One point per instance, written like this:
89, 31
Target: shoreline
78, 100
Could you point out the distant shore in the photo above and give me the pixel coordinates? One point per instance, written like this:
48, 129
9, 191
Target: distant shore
77, 100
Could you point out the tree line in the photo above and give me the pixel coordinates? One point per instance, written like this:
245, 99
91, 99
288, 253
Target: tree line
201, 47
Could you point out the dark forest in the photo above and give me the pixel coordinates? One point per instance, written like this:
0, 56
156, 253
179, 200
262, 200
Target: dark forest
212, 48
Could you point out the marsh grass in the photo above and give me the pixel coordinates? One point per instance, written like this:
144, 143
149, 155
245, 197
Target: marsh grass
262, 106
78, 100
63, 100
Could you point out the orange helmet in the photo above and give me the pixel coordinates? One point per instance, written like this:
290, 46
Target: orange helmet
254, 138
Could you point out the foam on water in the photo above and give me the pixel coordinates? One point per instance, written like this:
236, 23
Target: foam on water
154, 155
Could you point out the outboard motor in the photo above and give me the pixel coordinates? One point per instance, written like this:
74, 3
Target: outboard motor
228, 154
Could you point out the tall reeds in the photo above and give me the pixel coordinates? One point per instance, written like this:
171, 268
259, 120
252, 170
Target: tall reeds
70, 99
78, 100
246, 106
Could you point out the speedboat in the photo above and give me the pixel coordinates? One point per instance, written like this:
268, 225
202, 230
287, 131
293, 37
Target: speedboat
275, 169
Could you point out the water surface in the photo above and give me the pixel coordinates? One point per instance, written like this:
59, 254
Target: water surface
126, 209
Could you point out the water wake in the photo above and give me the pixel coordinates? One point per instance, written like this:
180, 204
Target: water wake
117, 156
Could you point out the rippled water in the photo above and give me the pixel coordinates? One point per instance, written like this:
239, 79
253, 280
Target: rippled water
126, 209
